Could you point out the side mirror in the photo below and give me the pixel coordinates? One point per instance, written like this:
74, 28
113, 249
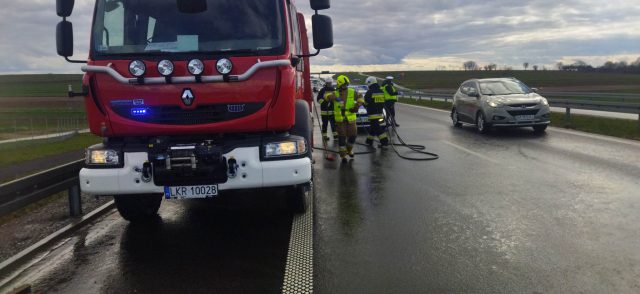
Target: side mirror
474, 94
320, 4
64, 38
64, 8
535, 90
192, 6
322, 31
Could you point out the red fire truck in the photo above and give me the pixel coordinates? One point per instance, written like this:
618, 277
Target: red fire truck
196, 97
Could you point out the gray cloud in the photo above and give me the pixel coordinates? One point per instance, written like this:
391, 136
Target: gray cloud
386, 32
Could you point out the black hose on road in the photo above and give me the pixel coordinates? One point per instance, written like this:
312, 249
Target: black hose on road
420, 149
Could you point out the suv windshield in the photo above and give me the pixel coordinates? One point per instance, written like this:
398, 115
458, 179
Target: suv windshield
138, 27
506, 87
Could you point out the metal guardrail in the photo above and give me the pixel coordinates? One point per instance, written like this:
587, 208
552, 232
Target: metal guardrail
617, 97
597, 105
20, 193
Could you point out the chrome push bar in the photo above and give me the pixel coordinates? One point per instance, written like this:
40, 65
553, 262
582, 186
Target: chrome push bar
187, 79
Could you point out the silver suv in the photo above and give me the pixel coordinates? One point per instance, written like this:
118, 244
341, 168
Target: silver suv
502, 102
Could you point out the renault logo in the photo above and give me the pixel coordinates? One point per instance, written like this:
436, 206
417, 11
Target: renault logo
188, 97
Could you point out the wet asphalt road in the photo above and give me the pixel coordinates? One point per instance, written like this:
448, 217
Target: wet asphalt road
511, 212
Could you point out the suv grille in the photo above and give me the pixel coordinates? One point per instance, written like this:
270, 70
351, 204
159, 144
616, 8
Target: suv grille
523, 105
523, 112
175, 115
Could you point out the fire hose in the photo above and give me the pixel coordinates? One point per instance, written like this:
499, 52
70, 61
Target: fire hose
420, 149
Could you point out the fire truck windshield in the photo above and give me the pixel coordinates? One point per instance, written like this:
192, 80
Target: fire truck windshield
152, 27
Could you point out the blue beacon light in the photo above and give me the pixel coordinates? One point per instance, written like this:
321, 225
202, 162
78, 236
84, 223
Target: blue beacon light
139, 111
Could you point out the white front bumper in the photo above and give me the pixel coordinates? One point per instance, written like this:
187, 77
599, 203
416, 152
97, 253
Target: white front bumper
252, 173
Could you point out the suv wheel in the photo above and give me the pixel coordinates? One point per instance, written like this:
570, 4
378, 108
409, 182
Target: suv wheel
539, 129
481, 123
455, 118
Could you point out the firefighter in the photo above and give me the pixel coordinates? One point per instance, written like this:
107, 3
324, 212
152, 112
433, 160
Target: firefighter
374, 100
326, 110
346, 102
390, 97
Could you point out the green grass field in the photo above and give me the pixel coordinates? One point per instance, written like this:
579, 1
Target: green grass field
27, 122
28, 150
540, 79
49, 85
622, 128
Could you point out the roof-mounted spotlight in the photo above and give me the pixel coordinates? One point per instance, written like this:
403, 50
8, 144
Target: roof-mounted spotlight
196, 67
137, 68
165, 68
224, 66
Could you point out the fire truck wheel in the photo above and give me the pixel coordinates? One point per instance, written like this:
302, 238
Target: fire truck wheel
297, 198
138, 208
303, 126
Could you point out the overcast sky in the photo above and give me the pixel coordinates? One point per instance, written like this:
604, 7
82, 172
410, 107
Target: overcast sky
391, 35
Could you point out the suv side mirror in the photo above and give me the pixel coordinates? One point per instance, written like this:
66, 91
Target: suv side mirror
64, 8
64, 38
474, 94
322, 31
320, 4
535, 90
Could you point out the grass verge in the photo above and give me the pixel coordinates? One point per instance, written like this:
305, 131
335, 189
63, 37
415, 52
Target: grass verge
24, 151
38, 85
621, 128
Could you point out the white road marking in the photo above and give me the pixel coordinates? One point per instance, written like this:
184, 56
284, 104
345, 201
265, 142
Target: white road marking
424, 107
596, 136
471, 152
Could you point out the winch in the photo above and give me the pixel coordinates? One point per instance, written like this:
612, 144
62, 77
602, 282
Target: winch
187, 164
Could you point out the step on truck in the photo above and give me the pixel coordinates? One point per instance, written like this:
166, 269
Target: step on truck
196, 97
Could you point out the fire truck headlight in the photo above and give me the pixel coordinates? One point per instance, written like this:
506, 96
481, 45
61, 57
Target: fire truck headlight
137, 68
224, 66
165, 67
103, 157
296, 147
196, 67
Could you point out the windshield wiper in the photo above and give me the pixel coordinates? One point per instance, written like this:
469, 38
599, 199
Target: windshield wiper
233, 51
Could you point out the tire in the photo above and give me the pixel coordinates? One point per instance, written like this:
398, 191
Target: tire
455, 118
303, 126
481, 124
138, 208
539, 129
297, 199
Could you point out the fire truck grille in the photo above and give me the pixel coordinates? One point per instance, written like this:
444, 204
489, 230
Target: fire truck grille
175, 115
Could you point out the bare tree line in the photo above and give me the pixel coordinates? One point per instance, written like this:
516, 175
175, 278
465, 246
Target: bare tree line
578, 65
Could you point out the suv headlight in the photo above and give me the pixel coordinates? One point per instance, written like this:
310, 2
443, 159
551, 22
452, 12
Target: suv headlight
289, 148
494, 104
103, 157
544, 101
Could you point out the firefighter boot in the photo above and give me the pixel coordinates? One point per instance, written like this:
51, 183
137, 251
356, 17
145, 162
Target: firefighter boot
369, 141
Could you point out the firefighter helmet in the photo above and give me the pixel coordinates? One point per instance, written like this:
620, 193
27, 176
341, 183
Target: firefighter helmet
328, 81
371, 80
342, 80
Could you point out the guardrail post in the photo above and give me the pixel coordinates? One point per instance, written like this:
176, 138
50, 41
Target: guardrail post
567, 115
75, 202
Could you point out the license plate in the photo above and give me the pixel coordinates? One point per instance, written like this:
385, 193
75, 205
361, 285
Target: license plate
525, 117
191, 192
